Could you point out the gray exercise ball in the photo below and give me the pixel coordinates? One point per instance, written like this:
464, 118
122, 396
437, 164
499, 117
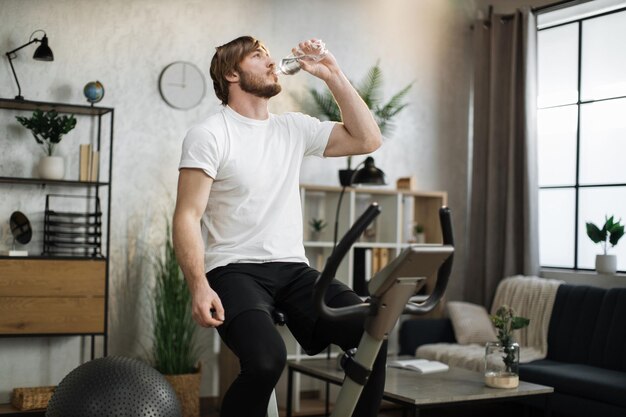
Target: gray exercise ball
114, 386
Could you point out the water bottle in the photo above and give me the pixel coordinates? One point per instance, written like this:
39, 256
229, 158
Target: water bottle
289, 65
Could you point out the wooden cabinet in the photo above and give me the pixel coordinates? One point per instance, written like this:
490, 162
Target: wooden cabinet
50, 296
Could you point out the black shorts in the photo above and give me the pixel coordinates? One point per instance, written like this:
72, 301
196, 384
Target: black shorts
287, 286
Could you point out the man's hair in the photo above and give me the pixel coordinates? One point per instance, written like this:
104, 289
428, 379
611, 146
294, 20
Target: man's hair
227, 59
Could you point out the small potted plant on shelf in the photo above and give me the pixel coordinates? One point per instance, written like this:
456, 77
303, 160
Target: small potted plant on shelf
175, 349
418, 231
502, 357
48, 128
369, 90
611, 232
316, 225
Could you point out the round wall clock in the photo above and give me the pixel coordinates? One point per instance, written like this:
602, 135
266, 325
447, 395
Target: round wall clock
182, 85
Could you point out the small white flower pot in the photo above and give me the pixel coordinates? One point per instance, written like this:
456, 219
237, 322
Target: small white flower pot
52, 168
606, 264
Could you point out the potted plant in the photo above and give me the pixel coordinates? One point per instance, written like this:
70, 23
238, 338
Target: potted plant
369, 90
611, 232
420, 236
48, 128
502, 357
316, 225
175, 351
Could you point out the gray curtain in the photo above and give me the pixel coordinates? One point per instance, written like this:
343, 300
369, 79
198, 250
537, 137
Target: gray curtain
503, 228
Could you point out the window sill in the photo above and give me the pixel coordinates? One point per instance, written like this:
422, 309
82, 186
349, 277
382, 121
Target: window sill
586, 277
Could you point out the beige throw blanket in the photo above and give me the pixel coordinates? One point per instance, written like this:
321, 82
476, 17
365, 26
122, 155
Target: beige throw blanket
530, 297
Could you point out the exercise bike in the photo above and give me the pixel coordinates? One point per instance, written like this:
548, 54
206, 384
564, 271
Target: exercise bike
391, 290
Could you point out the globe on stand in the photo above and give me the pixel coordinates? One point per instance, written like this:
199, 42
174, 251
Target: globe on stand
94, 91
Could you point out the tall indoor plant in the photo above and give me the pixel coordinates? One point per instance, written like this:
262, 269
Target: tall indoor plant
175, 351
611, 232
48, 129
369, 90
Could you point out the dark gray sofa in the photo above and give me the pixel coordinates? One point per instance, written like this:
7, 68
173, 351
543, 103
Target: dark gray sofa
586, 360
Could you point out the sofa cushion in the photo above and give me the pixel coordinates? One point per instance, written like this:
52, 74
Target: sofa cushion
587, 327
471, 323
573, 323
609, 338
579, 380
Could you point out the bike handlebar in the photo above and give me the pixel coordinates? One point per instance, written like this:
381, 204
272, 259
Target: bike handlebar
364, 309
328, 273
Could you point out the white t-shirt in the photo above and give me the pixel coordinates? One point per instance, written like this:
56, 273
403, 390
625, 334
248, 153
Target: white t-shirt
254, 212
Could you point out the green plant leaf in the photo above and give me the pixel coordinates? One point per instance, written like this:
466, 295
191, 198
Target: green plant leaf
596, 235
519, 323
327, 105
616, 234
369, 88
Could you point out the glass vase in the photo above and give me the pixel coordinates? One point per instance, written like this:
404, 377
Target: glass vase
501, 365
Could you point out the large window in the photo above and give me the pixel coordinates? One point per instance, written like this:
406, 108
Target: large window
581, 136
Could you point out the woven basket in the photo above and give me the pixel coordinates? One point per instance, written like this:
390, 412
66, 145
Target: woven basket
31, 398
187, 388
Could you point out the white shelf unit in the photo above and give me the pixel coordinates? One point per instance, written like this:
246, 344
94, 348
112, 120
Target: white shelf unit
400, 211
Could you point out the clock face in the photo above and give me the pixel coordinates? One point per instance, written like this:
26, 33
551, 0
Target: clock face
182, 85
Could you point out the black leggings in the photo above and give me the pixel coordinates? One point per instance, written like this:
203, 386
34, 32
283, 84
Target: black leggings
253, 337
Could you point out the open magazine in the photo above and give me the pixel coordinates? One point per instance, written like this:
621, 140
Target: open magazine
422, 366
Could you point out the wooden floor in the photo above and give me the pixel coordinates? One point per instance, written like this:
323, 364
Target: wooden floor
315, 408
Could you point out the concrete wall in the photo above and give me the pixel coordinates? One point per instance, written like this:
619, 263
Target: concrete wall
126, 44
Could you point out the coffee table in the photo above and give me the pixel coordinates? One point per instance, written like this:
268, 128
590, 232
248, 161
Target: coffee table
416, 391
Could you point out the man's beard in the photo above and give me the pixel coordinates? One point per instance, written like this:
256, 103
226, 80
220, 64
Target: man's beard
256, 85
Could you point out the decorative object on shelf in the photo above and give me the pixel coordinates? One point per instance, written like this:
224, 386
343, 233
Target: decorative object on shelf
369, 174
502, 357
114, 385
48, 129
21, 231
420, 236
612, 231
42, 53
317, 225
31, 398
70, 233
182, 85
407, 183
175, 350
93, 91
369, 90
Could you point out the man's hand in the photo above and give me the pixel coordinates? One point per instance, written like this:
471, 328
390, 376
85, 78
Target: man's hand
206, 308
324, 68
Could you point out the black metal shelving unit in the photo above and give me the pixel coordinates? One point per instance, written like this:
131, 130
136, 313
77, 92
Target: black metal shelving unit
95, 189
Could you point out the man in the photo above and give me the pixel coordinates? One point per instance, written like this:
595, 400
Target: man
238, 223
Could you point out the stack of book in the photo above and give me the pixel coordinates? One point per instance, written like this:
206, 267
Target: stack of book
88, 163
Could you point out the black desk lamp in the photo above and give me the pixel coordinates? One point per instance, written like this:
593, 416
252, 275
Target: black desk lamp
369, 174
42, 53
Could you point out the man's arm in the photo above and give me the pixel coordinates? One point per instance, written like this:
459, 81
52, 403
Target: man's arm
359, 133
194, 187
